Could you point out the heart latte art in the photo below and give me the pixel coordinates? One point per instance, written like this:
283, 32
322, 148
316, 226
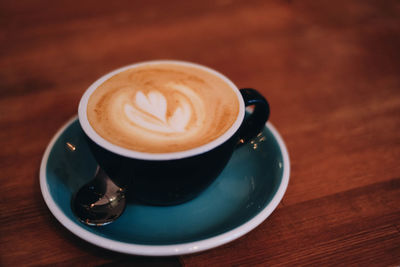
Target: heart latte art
150, 111
159, 108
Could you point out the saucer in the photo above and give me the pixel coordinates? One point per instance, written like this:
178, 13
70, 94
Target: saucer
242, 197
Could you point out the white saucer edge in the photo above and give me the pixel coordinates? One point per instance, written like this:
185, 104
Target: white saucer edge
163, 250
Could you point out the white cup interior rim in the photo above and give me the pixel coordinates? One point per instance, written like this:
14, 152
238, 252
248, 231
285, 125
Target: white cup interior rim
99, 140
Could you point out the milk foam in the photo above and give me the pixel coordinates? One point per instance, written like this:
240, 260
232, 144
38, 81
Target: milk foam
150, 111
165, 108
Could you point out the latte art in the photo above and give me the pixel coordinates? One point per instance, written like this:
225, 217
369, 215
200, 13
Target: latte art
156, 104
150, 111
162, 108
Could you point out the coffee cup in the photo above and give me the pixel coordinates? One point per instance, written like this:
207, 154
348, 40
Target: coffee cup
164, 130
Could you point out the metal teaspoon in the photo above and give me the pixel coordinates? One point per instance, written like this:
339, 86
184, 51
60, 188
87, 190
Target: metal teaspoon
99, 202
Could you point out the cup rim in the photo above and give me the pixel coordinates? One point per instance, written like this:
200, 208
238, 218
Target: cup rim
99, 140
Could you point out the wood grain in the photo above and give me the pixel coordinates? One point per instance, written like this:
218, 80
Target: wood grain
330, 70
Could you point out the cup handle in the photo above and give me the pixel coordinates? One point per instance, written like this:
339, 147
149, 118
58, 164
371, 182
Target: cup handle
254, 122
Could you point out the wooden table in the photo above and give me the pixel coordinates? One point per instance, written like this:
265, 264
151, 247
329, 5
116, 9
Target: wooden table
330, 69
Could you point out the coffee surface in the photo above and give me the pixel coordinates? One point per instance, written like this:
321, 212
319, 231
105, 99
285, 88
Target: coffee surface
160, 108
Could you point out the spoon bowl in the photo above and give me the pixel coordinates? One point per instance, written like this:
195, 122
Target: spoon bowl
99, 202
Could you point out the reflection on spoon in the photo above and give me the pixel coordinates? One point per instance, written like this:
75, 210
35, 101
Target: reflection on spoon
99, 202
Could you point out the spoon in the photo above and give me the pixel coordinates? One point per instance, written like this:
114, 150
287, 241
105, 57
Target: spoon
99, 202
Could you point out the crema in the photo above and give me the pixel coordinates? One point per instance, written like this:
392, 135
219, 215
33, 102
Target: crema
162, 108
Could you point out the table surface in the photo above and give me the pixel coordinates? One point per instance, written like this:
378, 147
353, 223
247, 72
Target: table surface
330, 70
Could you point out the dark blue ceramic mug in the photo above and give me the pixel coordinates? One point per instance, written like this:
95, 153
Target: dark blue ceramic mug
176, 177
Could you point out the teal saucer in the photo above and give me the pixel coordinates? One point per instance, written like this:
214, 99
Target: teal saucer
243, 196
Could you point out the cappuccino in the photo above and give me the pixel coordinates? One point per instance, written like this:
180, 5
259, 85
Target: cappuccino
162, 108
